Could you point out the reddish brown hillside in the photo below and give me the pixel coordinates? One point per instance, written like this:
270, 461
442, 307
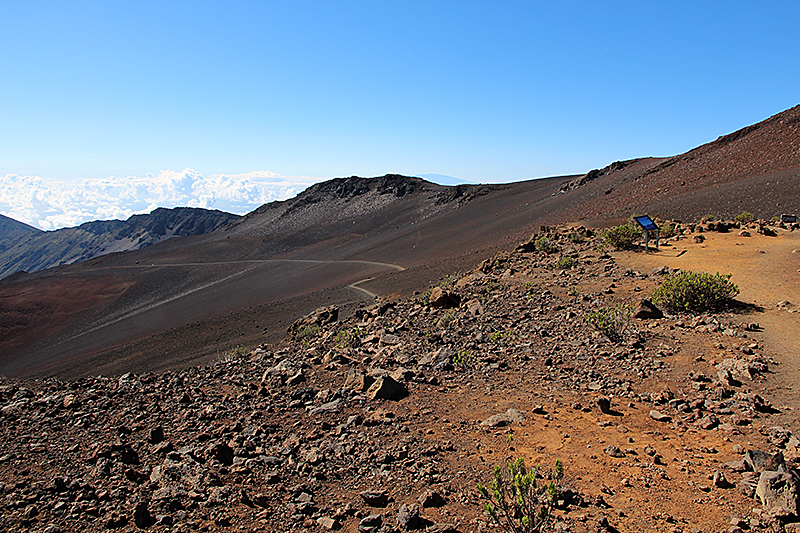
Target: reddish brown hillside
755, 169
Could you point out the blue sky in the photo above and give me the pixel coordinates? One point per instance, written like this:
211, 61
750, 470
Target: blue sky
484, 91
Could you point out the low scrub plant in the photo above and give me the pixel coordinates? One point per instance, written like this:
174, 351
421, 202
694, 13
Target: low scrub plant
519, 499
668, 230
349, 338
695, 292
744, 218
622, 237
463, 359
566, 262
233, 354
447, 319
307, 334
576, 238
611, 321
544, 244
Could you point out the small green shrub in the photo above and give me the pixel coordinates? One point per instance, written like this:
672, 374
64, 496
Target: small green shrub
668, 230
566, 262
744, 218
611, 321
447, 319
622, 237
695, 292
492, 286
573, 291
233, 354
425, 297
520, 500
463, 359
544, 244
577, 238
349, 338
307, 333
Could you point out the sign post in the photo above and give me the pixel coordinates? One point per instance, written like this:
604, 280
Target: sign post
647, 225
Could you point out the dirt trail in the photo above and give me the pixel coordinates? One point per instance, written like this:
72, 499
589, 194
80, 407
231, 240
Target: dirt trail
766, 269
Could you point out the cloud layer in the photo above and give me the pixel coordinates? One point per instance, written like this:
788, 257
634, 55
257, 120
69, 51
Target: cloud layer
49, 204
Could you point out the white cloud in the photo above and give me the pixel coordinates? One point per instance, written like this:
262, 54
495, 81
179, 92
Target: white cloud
49, 204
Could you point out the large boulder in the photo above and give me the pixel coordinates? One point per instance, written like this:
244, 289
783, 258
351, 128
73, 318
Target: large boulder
778, 493
386, 388
443, 299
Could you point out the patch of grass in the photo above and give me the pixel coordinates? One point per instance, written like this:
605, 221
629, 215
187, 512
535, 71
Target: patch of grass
611, 321
577, 238
573, 291
305, 335
349, 338
447, 319
232, 354
695, 292
425, 297
668, 230
494, 286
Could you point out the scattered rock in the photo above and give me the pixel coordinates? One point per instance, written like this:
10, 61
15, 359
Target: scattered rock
443, 299
614, 451
658, 416
505, 419
648, 311
370, 523
375, 498
778, 494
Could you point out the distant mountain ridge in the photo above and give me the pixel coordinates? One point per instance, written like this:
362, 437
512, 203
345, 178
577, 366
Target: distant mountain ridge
24, 248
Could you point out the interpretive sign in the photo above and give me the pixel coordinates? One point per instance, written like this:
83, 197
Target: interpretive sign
647, 225
788, 219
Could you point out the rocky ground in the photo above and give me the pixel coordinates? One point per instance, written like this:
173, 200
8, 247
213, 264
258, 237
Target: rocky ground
387, 419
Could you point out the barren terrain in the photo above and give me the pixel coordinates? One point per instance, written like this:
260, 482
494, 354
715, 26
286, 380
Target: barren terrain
289, 436
158, 389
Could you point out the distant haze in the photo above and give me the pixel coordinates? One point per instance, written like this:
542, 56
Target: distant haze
441, 179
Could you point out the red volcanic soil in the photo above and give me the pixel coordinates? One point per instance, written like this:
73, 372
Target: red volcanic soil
31, 312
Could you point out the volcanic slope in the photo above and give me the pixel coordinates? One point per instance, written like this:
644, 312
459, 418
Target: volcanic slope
756, 169
100, 315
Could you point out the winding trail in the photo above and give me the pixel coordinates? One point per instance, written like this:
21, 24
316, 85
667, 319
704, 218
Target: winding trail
250, 261
354, 286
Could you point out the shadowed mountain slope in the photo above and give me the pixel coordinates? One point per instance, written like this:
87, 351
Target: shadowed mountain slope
11, 229
37, 250
187, 300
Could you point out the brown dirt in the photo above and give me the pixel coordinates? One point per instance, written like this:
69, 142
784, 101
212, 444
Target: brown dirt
767, 271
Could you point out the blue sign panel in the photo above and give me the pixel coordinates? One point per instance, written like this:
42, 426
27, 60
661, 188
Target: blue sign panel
646, 223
